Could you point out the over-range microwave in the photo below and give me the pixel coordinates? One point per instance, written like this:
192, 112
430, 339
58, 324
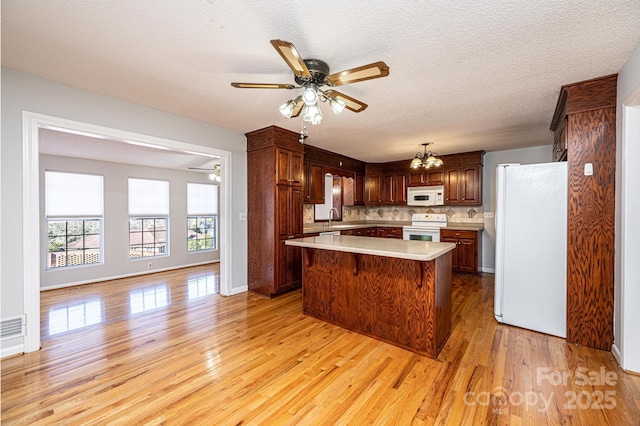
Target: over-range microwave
425, 195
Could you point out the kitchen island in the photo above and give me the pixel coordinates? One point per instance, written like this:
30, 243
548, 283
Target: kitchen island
397, 291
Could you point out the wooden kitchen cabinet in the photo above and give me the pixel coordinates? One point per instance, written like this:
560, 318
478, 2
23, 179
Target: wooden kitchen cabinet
434, 177
389, 232
388, 189
373, 190
275, 177
560, 142
584, 124
290, 167
463, 185
313, 183
464, 257
422, 177
359, 190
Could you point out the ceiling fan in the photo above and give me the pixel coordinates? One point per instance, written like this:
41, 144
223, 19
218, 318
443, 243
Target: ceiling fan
214, 172
310, 75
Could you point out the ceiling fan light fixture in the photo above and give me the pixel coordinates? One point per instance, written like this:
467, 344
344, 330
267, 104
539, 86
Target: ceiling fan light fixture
310, 94
287, 108
336, 105
312, 114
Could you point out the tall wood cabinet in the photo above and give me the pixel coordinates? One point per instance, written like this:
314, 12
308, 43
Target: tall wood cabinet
275, 177
585, 124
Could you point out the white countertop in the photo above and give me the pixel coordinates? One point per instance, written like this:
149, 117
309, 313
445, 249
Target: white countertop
387, 247
465, 226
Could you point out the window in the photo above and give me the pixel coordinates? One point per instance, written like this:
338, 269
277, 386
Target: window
202, 211
73, 209
148, 218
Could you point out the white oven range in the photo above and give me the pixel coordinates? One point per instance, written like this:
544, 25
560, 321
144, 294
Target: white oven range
425, 227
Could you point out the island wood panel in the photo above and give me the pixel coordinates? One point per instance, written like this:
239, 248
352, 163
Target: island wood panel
391, 299
591, 225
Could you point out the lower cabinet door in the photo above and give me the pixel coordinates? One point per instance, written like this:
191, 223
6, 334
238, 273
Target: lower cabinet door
288, 267
467, 255
455, 264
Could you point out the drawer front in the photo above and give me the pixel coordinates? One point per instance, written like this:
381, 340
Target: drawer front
452, 233
394, 231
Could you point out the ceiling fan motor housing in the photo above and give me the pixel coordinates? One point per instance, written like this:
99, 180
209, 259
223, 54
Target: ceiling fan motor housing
318, 70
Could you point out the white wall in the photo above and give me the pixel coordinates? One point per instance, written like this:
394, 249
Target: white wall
22, 92
627, 268
536, 154
115, 221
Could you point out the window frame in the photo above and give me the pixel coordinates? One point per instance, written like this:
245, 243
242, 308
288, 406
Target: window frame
142, 245
68, 219
214, 236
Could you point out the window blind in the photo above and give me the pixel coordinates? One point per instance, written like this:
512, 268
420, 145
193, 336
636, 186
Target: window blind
73, 194
202, 199
148, 197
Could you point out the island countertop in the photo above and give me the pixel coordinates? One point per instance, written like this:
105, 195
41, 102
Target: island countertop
401, 249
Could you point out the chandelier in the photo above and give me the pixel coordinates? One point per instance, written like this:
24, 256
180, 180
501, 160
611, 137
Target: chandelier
428, 159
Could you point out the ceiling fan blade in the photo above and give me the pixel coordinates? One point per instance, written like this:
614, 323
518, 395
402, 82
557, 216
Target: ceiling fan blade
262, 86
350, 103
365, 72
291, 57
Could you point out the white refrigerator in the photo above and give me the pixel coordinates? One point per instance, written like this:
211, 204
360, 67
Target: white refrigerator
531, 247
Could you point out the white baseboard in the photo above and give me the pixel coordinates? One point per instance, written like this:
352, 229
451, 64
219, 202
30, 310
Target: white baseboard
134, 274
617, 355
488, 270
12, 350
239, 290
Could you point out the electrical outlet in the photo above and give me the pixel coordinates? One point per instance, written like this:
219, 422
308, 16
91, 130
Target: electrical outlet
488, 215
243, 216
149, 265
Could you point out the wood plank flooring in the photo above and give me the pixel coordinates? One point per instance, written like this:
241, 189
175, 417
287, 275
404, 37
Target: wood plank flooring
162, 349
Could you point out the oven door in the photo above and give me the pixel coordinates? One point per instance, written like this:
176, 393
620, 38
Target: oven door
421, 234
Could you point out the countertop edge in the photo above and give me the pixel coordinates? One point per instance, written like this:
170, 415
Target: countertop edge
334, 243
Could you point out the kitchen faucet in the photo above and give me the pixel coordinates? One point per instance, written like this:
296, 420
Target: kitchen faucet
331, 214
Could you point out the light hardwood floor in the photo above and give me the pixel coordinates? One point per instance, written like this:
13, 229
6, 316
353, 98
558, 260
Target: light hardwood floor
159, 349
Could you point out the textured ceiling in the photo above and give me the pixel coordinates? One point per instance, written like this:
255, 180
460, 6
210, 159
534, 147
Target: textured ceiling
466, 75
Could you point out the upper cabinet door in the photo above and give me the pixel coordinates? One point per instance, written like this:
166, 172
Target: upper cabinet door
470, 185
315, 183
452, 186
283, 166
289, 167
373, 190
297, 168
435, 177
416, 178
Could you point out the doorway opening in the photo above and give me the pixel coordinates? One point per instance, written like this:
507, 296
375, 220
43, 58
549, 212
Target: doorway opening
32, 122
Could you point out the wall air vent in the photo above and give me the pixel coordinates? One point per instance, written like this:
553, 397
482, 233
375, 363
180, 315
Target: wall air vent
13, 327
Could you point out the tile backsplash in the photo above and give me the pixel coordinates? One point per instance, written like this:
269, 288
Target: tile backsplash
458, 214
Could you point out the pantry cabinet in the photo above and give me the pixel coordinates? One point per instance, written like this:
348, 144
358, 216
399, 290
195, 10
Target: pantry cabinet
275, 177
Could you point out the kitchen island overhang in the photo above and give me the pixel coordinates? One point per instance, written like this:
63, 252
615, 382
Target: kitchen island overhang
397, 291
